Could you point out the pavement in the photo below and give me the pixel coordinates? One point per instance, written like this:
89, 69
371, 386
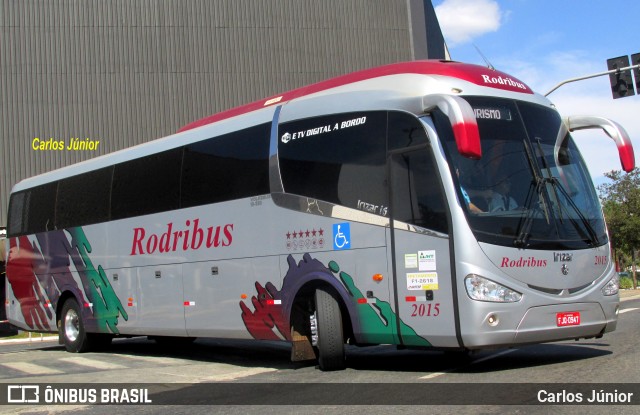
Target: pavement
629, 294
35, 338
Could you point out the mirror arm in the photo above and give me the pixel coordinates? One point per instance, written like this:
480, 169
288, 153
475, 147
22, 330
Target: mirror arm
462, 119
614, 130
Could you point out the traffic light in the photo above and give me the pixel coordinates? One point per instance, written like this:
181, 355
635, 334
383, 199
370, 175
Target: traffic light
635, 60
621, 82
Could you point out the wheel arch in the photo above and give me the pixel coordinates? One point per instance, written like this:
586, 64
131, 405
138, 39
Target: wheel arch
299, 286
64, 296
305, 298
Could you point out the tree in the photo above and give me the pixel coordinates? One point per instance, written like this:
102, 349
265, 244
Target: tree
621, 204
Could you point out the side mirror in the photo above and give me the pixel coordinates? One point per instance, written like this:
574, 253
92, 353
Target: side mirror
463, 122
613, 130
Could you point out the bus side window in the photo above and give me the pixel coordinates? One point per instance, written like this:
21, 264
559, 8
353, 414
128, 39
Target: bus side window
338, 158
84, 199
227, 167
404, 131
418, 197
33, 210
146, 185
40, 214
18, 212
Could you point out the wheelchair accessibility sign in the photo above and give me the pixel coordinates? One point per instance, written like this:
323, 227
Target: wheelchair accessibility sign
341, 236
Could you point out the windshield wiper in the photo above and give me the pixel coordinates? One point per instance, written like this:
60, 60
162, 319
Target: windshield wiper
537, 184
556, 185
524, 227
593, 239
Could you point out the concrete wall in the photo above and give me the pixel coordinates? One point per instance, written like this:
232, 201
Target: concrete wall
123, 72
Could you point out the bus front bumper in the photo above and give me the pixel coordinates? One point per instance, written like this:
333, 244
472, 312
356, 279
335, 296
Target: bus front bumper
541, 324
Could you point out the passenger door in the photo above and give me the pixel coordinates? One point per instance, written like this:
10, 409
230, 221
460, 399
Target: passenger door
420, 241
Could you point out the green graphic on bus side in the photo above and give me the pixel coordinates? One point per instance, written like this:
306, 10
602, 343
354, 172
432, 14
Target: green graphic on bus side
378, 328
106, 304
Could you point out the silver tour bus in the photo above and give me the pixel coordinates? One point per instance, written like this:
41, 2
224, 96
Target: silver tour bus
421, 204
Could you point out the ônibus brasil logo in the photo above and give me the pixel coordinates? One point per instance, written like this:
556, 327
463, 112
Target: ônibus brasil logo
76, 394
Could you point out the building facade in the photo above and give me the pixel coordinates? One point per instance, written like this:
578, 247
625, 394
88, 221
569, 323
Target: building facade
83, 78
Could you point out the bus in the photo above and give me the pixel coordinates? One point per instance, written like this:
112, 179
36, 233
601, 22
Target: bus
6, 329
424, 204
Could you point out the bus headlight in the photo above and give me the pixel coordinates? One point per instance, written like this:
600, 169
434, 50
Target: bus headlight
612, 286
482, 289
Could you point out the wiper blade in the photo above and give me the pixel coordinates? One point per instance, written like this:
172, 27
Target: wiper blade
526, 221
523, 234
594, 240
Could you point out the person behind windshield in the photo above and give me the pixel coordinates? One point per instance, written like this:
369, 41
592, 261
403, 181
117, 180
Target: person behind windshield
500, 199
472, 207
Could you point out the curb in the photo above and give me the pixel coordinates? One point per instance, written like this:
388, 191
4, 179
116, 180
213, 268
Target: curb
44, 339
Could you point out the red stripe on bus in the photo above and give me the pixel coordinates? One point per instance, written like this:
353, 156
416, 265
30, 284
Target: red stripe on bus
472, 73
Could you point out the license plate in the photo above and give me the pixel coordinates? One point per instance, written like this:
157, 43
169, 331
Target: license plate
568, 319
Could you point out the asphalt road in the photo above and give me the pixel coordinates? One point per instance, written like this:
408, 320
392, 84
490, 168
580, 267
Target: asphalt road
249, 373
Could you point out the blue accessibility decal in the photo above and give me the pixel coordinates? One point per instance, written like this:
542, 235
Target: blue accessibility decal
341, 236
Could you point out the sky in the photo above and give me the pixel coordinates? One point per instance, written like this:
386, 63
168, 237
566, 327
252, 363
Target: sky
544, 42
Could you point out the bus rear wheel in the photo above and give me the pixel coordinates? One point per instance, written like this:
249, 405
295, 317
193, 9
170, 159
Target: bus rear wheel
71, 330
330, 338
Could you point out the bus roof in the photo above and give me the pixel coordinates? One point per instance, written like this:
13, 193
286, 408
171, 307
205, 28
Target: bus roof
263, 110
478, 75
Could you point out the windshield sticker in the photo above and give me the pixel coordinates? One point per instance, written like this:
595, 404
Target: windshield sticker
422, 281
410, 261
427, 260
288, 137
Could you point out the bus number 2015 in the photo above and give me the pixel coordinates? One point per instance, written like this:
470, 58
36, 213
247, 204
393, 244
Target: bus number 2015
425, 310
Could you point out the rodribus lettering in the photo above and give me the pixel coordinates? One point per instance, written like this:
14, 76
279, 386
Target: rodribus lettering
191, 238
228, 235
138, 236
165, 238
530, 262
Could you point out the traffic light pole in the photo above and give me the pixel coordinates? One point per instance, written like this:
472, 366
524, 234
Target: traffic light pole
595, 75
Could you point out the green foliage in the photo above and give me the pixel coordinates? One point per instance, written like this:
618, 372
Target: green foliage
621, 204
626, 283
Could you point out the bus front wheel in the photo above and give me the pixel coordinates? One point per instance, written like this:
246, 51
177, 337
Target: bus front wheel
330, 339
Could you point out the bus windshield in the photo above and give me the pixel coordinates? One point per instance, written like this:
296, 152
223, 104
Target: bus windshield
531, 188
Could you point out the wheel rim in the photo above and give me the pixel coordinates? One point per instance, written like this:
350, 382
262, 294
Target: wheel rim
71, 325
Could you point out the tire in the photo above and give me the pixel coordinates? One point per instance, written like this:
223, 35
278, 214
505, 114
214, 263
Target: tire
330, 336
71, 331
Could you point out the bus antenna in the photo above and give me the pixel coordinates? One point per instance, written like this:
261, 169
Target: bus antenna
486, 61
